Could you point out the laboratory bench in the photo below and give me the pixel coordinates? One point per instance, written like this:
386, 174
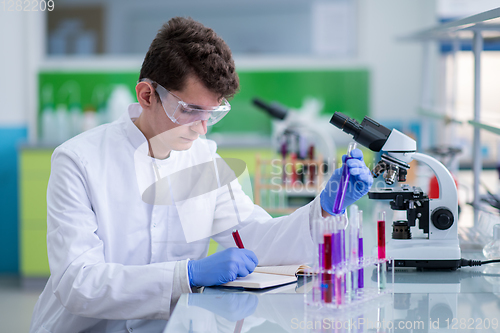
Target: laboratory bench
467, 299
464, 300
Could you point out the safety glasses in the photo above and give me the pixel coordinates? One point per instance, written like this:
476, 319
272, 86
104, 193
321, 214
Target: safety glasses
183, 113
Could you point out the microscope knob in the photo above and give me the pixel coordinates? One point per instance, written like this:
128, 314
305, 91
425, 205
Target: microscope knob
399, 200
442, 218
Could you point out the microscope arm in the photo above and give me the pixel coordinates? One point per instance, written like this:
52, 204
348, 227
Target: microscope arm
448, 196
444, 177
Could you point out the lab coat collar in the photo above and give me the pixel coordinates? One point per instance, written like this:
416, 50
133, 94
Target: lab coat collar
133, 133
137, 138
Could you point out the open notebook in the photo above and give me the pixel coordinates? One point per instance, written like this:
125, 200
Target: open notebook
268, 276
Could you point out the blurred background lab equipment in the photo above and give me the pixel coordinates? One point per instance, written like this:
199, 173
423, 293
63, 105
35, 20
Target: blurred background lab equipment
305, 150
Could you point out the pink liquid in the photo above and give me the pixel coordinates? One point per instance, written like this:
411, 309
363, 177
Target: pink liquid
381, 239
327, 290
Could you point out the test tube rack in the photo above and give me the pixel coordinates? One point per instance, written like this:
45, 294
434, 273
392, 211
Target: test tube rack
335, 288
340, 271
368, 315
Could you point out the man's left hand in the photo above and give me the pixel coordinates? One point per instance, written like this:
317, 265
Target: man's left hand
360, 182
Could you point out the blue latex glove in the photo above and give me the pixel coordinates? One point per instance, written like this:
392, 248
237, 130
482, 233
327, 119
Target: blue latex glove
221, 267
360, 182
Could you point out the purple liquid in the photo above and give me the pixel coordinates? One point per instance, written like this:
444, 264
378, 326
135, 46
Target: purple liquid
344, 181
361, 282
336, 249
343, 257
336, 259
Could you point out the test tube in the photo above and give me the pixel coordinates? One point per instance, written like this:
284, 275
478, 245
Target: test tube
284, 151
337, 258
311, 168
361, 273
381, 266
326, 277
344, 181
342, 220
293, 158
318, 226
353, 246
302, 147
381, 235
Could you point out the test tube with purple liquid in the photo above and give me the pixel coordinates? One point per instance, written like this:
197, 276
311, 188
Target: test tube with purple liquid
344, 181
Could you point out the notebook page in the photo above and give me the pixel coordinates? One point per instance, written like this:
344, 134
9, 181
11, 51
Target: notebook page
290, 270
259, 281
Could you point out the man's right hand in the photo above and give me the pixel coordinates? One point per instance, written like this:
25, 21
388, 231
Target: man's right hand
221, 267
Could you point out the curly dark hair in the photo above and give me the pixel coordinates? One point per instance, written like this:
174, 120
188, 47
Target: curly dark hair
183, 47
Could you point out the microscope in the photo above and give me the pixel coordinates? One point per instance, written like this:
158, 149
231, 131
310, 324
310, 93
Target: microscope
437, 246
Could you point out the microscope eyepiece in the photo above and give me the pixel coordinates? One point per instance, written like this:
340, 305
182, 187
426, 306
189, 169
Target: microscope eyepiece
369, 133
348, 125
275, 110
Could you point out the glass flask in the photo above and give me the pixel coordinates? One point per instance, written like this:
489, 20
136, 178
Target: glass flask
492, 249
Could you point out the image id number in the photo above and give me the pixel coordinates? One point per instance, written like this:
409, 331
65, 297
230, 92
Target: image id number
472, 324
27, 5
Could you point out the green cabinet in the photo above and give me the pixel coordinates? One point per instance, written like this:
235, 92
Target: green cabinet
34, 172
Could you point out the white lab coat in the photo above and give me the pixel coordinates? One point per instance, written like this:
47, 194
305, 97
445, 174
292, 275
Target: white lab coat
113, 256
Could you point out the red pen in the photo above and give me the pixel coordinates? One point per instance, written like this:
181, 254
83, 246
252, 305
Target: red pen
237, 239
239, 244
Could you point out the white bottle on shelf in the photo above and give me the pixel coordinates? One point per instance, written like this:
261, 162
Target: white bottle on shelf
62, 124
47, 117
89, 119
118, 101
48, 121
75, 119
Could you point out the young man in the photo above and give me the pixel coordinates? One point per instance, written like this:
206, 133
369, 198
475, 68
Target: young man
117, 248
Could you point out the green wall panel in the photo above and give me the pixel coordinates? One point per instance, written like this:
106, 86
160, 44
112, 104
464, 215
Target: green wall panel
34, 261
340, 90
35, 160
33, 199
345, 90
34, 172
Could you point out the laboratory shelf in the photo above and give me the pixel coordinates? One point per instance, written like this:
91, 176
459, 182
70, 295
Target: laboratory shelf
436, 114
489, 128
477, 28
487, 22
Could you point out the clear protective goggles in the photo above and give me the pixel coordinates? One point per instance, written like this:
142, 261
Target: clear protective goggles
183, 113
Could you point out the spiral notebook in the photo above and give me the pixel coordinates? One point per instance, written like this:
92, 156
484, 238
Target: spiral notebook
268, 276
